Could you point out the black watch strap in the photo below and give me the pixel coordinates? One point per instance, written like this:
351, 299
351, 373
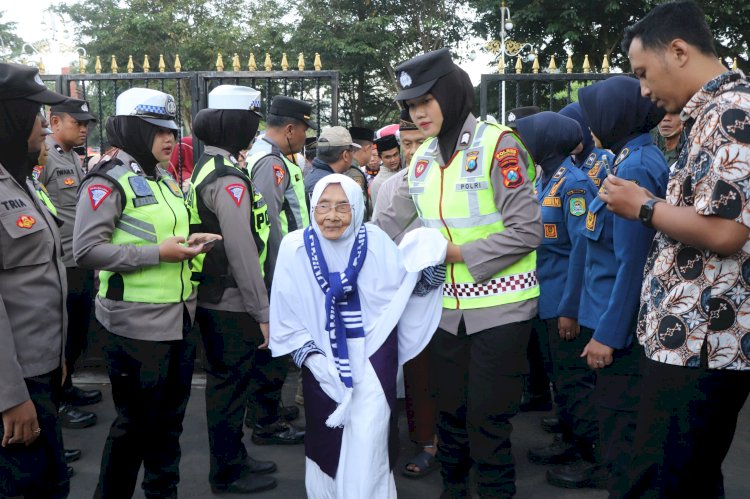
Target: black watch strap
647, 212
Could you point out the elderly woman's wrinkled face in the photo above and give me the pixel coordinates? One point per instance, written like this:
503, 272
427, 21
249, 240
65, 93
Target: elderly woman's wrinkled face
333, 213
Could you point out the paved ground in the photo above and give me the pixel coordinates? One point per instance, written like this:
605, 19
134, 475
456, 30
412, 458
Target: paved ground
290, 459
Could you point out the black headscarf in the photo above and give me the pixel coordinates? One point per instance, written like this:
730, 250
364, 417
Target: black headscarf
230, 129
17, 118
617, 112
573, 111
550, 138
455, 94
136, 137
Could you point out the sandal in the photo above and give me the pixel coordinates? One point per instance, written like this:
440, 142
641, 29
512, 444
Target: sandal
426, 463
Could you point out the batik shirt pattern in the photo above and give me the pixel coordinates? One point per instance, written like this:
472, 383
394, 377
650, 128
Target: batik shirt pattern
690, 295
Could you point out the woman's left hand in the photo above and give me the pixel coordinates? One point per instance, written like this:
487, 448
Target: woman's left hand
204, 239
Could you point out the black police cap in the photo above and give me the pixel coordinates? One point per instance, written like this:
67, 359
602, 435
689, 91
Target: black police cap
362, 133
520, 112
416, 76
76, 108
281, 105
386, 143
23, 82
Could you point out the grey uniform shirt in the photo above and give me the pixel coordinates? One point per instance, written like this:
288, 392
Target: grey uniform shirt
93, 249
33, 287
250, 295
275, 190
386, 196
383, 175
521, 215
62, 176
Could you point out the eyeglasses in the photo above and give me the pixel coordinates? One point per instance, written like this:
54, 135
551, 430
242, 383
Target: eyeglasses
323, 208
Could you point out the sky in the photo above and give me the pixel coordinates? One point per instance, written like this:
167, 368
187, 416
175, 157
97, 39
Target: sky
30, 15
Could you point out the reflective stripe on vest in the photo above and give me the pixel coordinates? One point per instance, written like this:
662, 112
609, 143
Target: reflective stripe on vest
294, 214
152, 214
459, 201
41, 192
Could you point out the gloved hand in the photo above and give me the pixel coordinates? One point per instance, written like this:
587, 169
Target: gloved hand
326, 375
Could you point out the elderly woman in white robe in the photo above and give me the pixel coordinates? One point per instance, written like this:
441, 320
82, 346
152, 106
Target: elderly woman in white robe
350, 307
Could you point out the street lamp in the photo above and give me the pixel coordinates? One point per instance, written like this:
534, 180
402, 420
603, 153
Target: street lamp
506, 47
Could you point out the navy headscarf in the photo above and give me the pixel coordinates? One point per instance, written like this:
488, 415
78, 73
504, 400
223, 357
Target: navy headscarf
573, 111
617, 112
550, 138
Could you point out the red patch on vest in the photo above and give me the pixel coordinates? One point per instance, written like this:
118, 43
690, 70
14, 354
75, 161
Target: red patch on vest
97, 194
236, 191
25, 221
279, 174
420, 168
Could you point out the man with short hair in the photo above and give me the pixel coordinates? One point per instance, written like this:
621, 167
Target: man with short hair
411, 138
390, 154
61, 176
670, 128
336, 151
692, 321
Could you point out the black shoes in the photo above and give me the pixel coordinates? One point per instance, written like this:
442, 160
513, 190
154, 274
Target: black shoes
286, 413
73, 395
70, 417
70, 455
558, 452
278, 433
70, 471
583, 474
245, 485
258, 467
551, 425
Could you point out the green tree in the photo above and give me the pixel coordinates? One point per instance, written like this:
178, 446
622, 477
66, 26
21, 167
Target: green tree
10, 42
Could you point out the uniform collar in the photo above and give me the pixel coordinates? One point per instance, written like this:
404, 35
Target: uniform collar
3, 172
275, 149
54, 144
466, 137
214, 151
641, 140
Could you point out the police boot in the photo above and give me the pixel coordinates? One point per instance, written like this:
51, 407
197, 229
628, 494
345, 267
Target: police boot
70, 417
245, 485
258, 467
278, 433
70, 455
583, 474
73, 395
558, 452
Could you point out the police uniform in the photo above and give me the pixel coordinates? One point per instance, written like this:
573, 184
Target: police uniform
280, 182
125, 211
32, 278
61, 176
232, 297
483, 201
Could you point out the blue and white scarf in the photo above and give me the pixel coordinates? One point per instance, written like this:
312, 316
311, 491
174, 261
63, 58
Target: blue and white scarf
342, 303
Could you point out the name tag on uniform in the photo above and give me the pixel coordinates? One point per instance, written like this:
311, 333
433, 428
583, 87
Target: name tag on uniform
471, 186
554, 202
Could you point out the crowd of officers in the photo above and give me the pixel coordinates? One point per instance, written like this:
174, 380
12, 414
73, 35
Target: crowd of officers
548, 245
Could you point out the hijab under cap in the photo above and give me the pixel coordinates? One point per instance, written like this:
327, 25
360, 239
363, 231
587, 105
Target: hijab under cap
230, 129
17, 117
136, 137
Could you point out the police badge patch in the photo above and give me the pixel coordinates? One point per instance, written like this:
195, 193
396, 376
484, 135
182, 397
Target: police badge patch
97, 194
472, 161
420, 167
577, 206
236, 191
279, 174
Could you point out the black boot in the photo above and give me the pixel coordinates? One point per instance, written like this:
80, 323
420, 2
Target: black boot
558, 452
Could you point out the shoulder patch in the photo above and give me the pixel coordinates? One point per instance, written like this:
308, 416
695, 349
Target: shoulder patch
97, 194
59, 149
507, 161
573, 192
420, 167
236, 192
279, 173
623, 154
507, 157
560, 172
577, 206
37, 172
590, 160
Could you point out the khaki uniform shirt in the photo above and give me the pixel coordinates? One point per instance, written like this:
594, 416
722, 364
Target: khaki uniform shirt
62, 176
250, 295
521, 215
33, 287
93, 249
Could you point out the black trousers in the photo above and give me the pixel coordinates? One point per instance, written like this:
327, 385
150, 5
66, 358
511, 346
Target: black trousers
230, 340
37, 470
80, 304
617, 392
478, 379
150, 387
540, 362
266, 382
574, 389
686, 423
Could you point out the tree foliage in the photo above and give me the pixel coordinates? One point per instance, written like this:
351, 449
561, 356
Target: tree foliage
10, 42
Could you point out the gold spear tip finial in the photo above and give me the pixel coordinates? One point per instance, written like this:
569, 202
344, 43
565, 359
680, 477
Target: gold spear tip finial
81, 64
98, 65
569, 64
251, 66
146, 65
519, 64
535, 66
41, 67
318, 65
552, 66
301, 62
130, 65
236, 66
268, 64
605, 64
734, 64
162, 65
586, 65
177, 63
284, 62
219, 63
114, 66
500, 66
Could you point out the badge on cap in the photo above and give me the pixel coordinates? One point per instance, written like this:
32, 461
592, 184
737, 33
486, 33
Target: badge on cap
405, 79
25, 221
85, 107
278, 172
38, 79
97, 194
171, 106
236, 192
511, 117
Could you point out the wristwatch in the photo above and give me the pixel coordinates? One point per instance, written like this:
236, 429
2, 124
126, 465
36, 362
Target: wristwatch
647, 212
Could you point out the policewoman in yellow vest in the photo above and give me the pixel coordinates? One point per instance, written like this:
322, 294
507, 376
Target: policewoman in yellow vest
232, 297
133, 226
474, 181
